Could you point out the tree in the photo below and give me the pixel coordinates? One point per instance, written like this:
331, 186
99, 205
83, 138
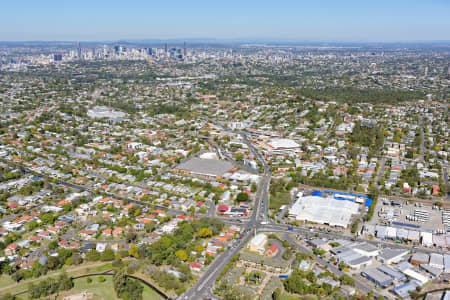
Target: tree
127, 288
276, 295
181, 254
134, 290
149, 227
205, 233
347, 279
134, 251
355, 226
33, 225
107, 255
76, 258
92, 255
47, 218
65, 282
239, 156
119, 282
234, 294
242, 197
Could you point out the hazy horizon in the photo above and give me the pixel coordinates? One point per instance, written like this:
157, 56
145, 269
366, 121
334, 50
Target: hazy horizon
349, 21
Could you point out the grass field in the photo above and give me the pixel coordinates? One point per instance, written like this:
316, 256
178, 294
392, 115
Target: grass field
104, 290
101, 290
5, 281
279, 199
286, 296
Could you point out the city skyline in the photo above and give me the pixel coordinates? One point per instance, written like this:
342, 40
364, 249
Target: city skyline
352, 21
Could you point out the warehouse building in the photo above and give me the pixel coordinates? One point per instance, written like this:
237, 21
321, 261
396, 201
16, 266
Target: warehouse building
379, 278
326, 211
396, 275
380, 231
439, 241
392, 256
416, 276
434, 272
402, 234
211, 168
360, 262
427, 238
403, 290
419, 258
366, 249
437, 260
281, 146
414, 236
447, 263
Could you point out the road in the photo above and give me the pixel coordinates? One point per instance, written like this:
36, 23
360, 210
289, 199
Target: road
422, 142
445, 175
203, 287
380, 172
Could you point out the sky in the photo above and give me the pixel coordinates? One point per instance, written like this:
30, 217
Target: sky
299, 20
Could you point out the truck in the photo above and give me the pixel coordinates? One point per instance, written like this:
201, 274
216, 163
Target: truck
290, 228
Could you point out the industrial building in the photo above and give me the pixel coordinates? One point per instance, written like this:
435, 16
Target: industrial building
419, 258
379, 278
396, 275
281, 146
389, 256
437, 260
321, 210
100, 112
204, 167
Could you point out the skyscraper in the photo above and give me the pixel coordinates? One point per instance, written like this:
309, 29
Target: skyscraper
79, 51
184, 49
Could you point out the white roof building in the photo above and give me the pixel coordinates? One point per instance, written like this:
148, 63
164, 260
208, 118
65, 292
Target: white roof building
324, 210
281, 146
100, 247
391, 232
257, 243
436, 261
416, 276
208, 155
447, 263
427, 238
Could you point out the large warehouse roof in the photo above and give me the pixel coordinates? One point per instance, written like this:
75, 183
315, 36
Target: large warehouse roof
282, 144
209, 167
324, 210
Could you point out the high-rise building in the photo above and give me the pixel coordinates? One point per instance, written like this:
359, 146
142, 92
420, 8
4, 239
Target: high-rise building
79, 51
57, 57
165, 47
185, 49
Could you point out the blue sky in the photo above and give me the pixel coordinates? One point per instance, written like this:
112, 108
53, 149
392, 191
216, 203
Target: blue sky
313, 20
